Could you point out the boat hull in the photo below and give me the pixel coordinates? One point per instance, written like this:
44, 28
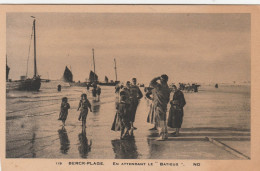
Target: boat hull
33, 84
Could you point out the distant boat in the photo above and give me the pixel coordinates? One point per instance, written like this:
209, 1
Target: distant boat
67, 75
28, 84
93, 77
111, 83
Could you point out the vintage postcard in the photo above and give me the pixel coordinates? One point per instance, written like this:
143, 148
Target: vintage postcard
121, 87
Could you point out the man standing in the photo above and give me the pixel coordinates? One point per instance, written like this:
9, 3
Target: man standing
135, 96
161, 99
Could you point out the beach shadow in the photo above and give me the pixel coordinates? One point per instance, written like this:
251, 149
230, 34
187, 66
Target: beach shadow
125, 149
84, 147
64, 141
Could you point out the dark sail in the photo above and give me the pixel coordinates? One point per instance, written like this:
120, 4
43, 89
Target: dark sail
7, 72
106, 79
93, 77
67, 76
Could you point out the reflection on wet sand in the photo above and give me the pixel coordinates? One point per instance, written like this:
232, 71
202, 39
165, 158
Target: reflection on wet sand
84, 148
95, 107
64, 141
125, 149
32, 148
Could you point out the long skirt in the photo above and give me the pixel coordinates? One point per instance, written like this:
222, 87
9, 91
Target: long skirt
160, 115
116, 124
151, 114
63, 115
175, 117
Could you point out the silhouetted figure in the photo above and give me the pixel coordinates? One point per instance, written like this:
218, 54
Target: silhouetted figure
216, 86
59, 87
98, 92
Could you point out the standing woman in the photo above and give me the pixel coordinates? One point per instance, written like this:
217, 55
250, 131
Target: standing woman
175, 117
84, 104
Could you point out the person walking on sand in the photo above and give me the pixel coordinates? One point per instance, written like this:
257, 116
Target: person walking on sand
135, 96
98, 92
161, 99
175, 117
59, 87
64, 110
84, 104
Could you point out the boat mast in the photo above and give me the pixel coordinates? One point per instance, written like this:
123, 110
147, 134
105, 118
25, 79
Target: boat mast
35, 67
115, 68
94, 65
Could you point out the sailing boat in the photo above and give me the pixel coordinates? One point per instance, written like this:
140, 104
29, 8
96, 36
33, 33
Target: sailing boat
112, 83
34, 83
28, 84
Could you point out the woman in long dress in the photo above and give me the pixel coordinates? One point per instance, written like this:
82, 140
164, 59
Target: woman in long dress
175, 117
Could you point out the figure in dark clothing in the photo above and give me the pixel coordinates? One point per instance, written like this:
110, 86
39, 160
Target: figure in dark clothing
175, 117
64, 110
94, 93
59, 87
98, 92
135, 96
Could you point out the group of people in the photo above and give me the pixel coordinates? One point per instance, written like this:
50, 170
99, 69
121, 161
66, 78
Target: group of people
159, 94
129, 96
84, 106
126, 109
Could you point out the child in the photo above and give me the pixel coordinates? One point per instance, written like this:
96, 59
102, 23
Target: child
123, 114
64, 110
84, 104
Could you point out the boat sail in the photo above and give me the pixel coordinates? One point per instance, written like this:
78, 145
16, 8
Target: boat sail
67, 75
93, 77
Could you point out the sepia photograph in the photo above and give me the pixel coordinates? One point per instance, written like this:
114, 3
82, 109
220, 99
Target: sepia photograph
136, 85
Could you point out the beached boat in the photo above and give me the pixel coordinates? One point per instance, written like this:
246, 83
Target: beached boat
28, 84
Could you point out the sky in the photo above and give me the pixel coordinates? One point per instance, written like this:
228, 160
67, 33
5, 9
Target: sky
187, 47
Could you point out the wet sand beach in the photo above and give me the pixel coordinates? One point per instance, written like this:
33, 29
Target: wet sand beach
216, 126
